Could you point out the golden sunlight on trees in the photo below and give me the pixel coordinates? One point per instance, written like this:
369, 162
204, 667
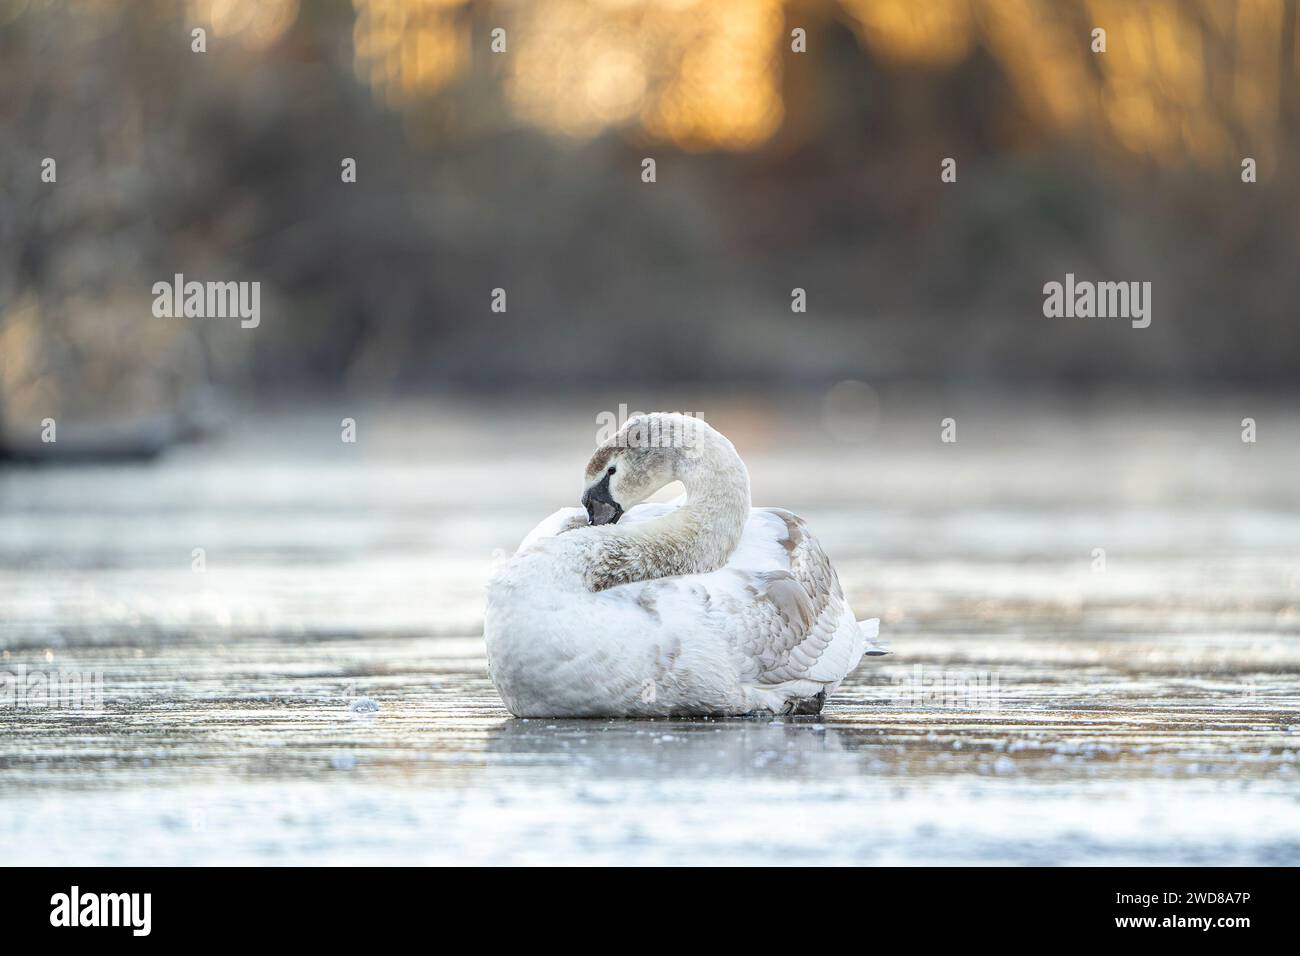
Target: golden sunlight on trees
1182, 79
409, 48
937, 33
256, 24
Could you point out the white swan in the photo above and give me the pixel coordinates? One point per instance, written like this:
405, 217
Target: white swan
701, 607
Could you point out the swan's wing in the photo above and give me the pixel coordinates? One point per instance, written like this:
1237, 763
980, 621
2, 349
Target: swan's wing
795, 622
777, 605
566, 519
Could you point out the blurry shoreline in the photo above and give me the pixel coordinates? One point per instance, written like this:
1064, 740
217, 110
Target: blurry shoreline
851, 411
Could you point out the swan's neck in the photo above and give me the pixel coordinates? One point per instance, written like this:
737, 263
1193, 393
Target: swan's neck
696, 538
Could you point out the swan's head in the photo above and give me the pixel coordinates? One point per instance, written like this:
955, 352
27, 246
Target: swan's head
646, 454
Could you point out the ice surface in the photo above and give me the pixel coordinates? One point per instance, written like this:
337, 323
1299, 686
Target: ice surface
1146, 714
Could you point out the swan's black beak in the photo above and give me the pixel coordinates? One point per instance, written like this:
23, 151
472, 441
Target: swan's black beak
601, 508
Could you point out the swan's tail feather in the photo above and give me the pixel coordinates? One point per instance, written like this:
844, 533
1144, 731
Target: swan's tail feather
871, 635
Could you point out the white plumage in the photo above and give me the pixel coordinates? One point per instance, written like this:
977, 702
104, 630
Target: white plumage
589, 621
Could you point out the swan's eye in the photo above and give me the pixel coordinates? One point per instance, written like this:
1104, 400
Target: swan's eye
610, 472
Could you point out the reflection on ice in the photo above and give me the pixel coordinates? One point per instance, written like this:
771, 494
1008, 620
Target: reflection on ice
741, 748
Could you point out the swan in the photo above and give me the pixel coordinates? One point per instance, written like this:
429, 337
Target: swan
705, 606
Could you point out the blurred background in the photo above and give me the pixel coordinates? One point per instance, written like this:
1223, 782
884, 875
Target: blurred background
1106, 540
522, 170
